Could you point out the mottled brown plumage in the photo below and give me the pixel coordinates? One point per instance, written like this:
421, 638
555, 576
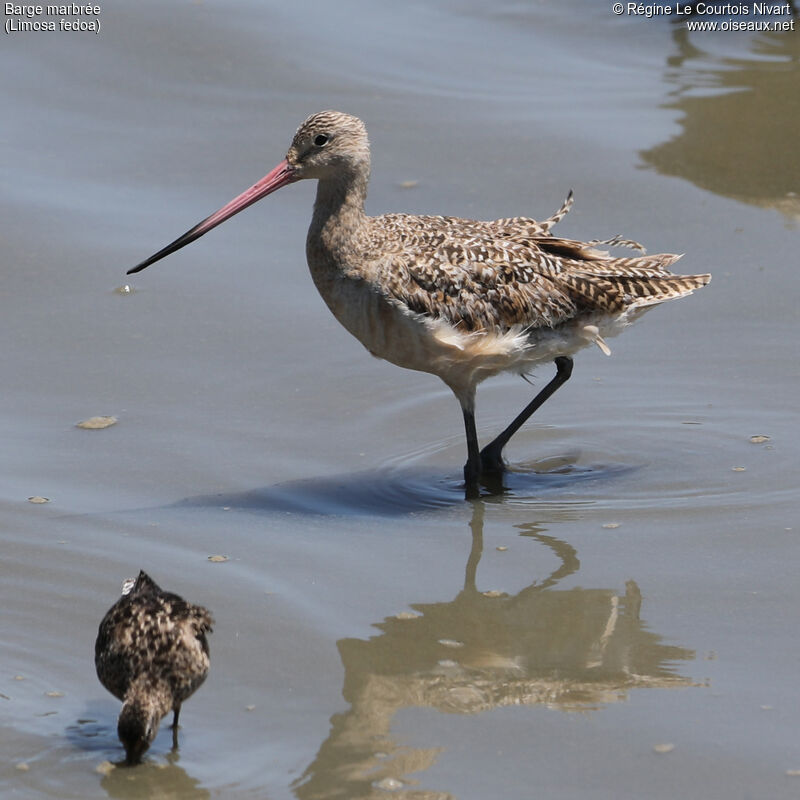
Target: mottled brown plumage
462, 299
152, 653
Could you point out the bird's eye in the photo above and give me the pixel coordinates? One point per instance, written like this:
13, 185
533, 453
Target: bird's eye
321, 139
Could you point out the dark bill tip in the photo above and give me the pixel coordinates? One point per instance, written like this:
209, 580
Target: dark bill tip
282, 175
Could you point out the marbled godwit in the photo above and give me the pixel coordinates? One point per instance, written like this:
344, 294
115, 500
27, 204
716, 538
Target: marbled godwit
152, 653
458, 298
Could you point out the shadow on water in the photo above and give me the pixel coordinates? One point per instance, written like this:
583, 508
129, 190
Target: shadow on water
394, 491
567, 649
737, 108
95, 731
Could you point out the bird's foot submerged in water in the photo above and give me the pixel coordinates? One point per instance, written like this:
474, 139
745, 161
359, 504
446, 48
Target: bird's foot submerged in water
486, 471
492, 462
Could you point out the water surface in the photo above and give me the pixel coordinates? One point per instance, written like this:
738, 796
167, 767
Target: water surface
615, 620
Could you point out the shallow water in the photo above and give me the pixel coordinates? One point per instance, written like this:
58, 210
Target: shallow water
631, 585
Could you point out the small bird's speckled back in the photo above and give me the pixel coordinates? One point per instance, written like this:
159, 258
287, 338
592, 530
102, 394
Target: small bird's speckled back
152, 650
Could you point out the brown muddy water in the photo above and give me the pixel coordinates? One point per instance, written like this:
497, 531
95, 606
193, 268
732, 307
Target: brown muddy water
619, 622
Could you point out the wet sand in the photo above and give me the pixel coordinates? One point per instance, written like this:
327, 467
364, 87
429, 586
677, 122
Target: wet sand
618, 622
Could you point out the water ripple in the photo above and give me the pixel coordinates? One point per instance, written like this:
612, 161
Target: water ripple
402, 489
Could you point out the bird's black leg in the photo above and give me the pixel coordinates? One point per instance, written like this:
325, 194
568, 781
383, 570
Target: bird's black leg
491, 456
472, 469
175, 716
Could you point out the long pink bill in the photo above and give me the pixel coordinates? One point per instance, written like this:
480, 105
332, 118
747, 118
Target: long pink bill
282, 175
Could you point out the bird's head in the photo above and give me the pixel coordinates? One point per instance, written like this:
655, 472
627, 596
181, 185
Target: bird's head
137, 727
328, 144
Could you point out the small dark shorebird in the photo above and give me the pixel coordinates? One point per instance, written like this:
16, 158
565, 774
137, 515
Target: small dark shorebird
458, 298
152, 653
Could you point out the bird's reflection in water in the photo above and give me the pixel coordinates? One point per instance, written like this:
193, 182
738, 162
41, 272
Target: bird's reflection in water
569, 649
153, 779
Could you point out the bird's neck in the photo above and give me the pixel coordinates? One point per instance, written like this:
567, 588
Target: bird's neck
149, 695
339, 212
